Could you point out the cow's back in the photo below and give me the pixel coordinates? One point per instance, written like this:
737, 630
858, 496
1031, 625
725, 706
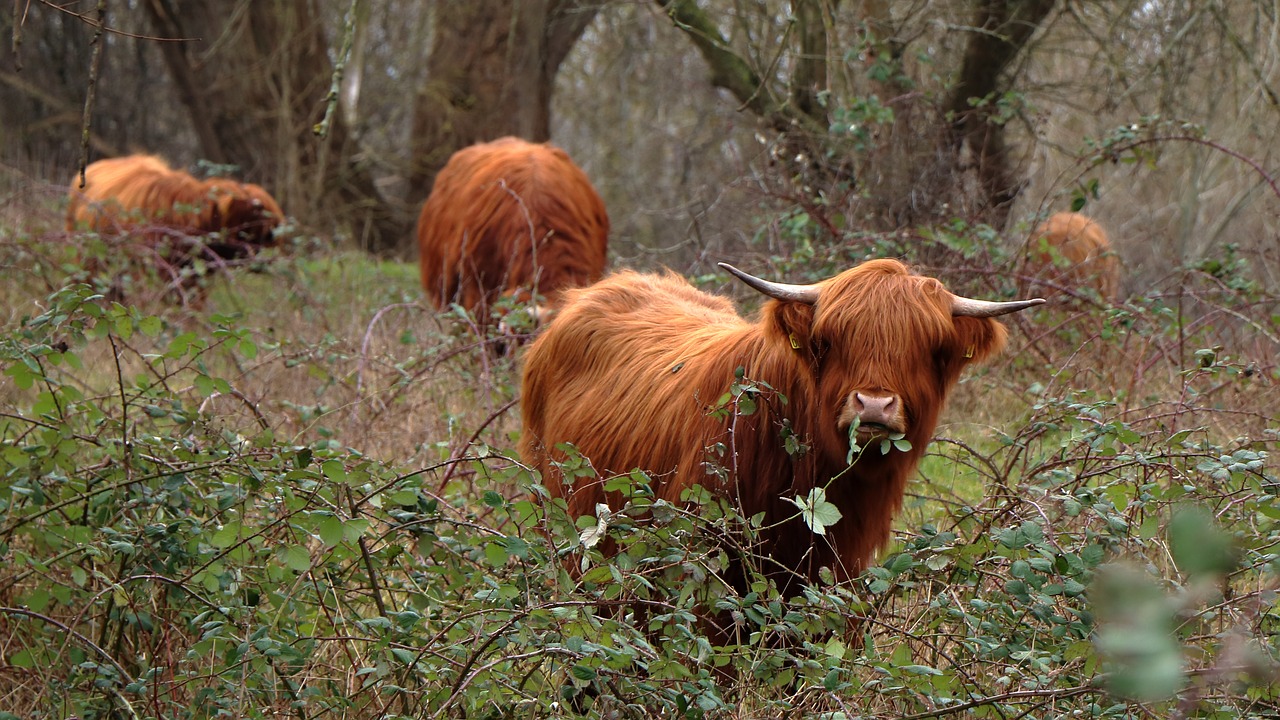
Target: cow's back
116, 191
508, 215
634, 343
1086, 254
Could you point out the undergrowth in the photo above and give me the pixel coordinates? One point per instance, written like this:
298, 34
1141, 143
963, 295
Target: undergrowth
305, 501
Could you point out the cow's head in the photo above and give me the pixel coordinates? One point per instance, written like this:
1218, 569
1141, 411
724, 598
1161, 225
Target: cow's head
884, 345
245, 212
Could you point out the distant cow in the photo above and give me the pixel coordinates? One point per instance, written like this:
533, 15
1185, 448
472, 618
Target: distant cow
1070, 251
510, 218
177, 218
628, 370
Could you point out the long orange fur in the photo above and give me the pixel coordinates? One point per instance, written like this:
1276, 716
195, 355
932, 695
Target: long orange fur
1086, 257
142, 193
630, 367
508, 217
176, 217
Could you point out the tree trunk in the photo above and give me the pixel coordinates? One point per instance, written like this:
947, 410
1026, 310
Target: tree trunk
810, 79
254, 77
1002, 28
491, 73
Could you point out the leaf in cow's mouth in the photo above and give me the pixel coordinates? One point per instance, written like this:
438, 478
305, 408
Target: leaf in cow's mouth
854, 448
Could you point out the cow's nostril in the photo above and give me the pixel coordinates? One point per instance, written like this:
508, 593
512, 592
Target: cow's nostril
877, 409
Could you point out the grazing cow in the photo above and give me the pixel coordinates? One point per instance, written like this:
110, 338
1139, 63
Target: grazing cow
178, 218
630, 368
1070, 251
510, 218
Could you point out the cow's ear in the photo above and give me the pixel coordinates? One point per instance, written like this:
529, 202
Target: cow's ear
221, 211
792, 323
978, 339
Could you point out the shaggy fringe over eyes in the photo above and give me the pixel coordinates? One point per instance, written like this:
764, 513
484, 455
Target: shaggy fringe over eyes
866, 307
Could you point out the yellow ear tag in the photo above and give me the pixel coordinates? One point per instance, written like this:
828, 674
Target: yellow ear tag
795, 344
969, 353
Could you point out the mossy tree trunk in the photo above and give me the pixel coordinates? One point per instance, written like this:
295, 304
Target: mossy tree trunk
491, 73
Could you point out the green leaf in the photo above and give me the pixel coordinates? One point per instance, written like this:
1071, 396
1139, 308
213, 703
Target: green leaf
15, 457
835, 648
403, 498
124, 327
937, 562
816, 512
331, 530
150, 325
1199, 546
496, 554
900, 563
297, 558
227, 536
901, 656
205, 385
22, 375
408, 657
354, 529
22, 659
334, 470
37, 599
1092, 555
832, 681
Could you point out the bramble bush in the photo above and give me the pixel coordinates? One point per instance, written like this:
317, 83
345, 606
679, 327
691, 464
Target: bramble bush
251, 514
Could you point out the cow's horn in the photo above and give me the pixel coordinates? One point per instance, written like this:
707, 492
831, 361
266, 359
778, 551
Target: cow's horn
968, 307
781, 291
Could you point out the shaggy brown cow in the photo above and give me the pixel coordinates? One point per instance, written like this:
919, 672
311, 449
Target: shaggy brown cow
178, 218
628, 369
510, 218
1070, 251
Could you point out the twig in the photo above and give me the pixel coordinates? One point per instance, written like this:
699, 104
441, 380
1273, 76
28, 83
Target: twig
368, 335
262, 421
321, 129
1005, 697
95, 66
458, 456
19, 18
124, 676
1112, 153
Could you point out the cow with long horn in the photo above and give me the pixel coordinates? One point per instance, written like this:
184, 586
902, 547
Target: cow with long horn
630, 371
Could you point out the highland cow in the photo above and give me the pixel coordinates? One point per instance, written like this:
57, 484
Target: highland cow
176, 218
1069, 252
513, 219
629, 371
